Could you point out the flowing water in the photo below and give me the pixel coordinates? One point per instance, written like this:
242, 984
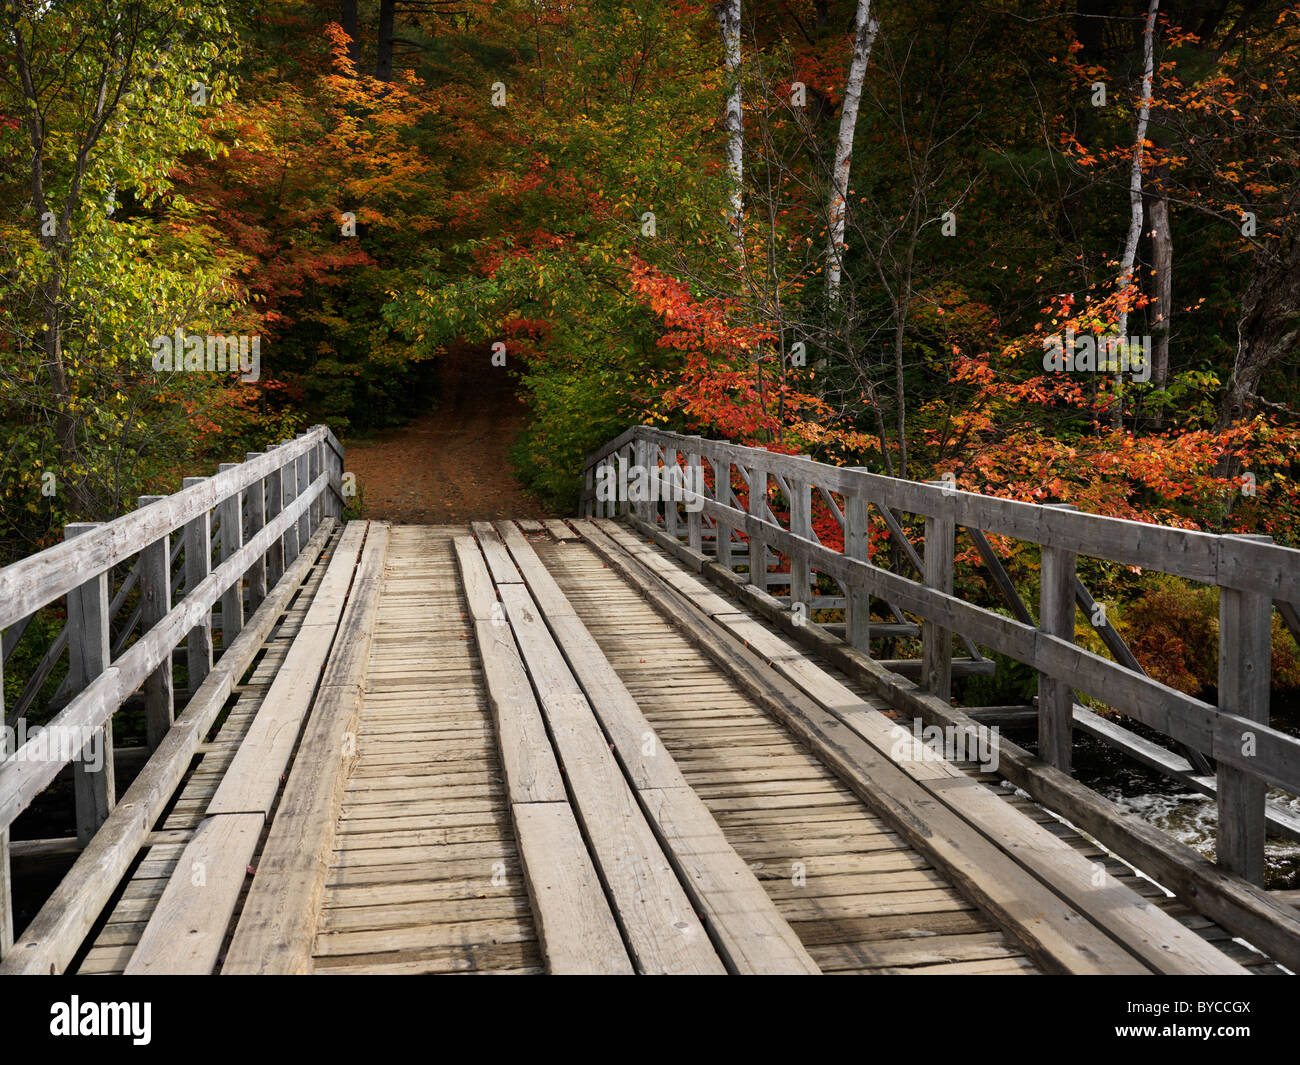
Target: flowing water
1186, 815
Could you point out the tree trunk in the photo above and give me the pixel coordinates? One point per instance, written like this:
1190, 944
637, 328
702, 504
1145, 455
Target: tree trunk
864, 36
1268, 330
1135, 201
727, 13
384, 60
351, 23
1162, 260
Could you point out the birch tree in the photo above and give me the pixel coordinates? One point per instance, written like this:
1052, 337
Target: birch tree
727, 13
864, 35
1135, 197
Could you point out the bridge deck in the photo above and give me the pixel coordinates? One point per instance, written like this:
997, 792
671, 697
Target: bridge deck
672, 815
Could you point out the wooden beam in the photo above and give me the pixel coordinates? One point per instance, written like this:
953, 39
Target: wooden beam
857, 541
1245, 662
255, 501
1056, 618
95, 790
275, 554
800, 499
156, 604
230, 515
936, 640
277, 925
197, 536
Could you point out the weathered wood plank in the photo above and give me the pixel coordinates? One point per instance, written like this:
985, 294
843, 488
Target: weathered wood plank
545, 592
1049, 928
575, 925
253, 778
498, 558
275, 928
94, 787
559, 530
659, 923
1242, 908
751, 934
475, 582
188, 926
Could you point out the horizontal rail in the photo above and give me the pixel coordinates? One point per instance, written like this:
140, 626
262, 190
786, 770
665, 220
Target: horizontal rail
1208, 558
36, 581
1180, 716
23, 778
1252, 573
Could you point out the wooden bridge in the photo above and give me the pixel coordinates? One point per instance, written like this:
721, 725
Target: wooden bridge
656, 739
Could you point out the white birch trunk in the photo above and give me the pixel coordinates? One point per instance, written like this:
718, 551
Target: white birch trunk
727, 13
864, 36
1135, 194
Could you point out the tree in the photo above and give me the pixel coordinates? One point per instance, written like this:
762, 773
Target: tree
727, 12
1125, 283
107, 99
864, 35
351, 22
384, 55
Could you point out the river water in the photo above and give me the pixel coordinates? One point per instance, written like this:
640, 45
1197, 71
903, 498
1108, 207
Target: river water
1186, 815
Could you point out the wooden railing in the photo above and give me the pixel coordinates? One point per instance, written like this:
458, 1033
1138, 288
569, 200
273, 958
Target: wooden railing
1251, 573
236, 534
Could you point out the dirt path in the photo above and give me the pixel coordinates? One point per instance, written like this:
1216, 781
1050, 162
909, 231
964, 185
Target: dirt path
449, 466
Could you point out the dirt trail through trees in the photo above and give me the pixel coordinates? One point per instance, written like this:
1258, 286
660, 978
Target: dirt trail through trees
450, 465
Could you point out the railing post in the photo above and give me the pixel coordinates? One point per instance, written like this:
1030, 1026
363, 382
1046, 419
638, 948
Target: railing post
642, 503
197, 534
275, 561
88, 656
304, 483
757, 482
230, 514
1245, 665
695, 482
155, 604
290, 489
316, 463
620, 464
722, 495
668, 492
857, 526
255, 500
1056, 618
936, 641
801, 525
